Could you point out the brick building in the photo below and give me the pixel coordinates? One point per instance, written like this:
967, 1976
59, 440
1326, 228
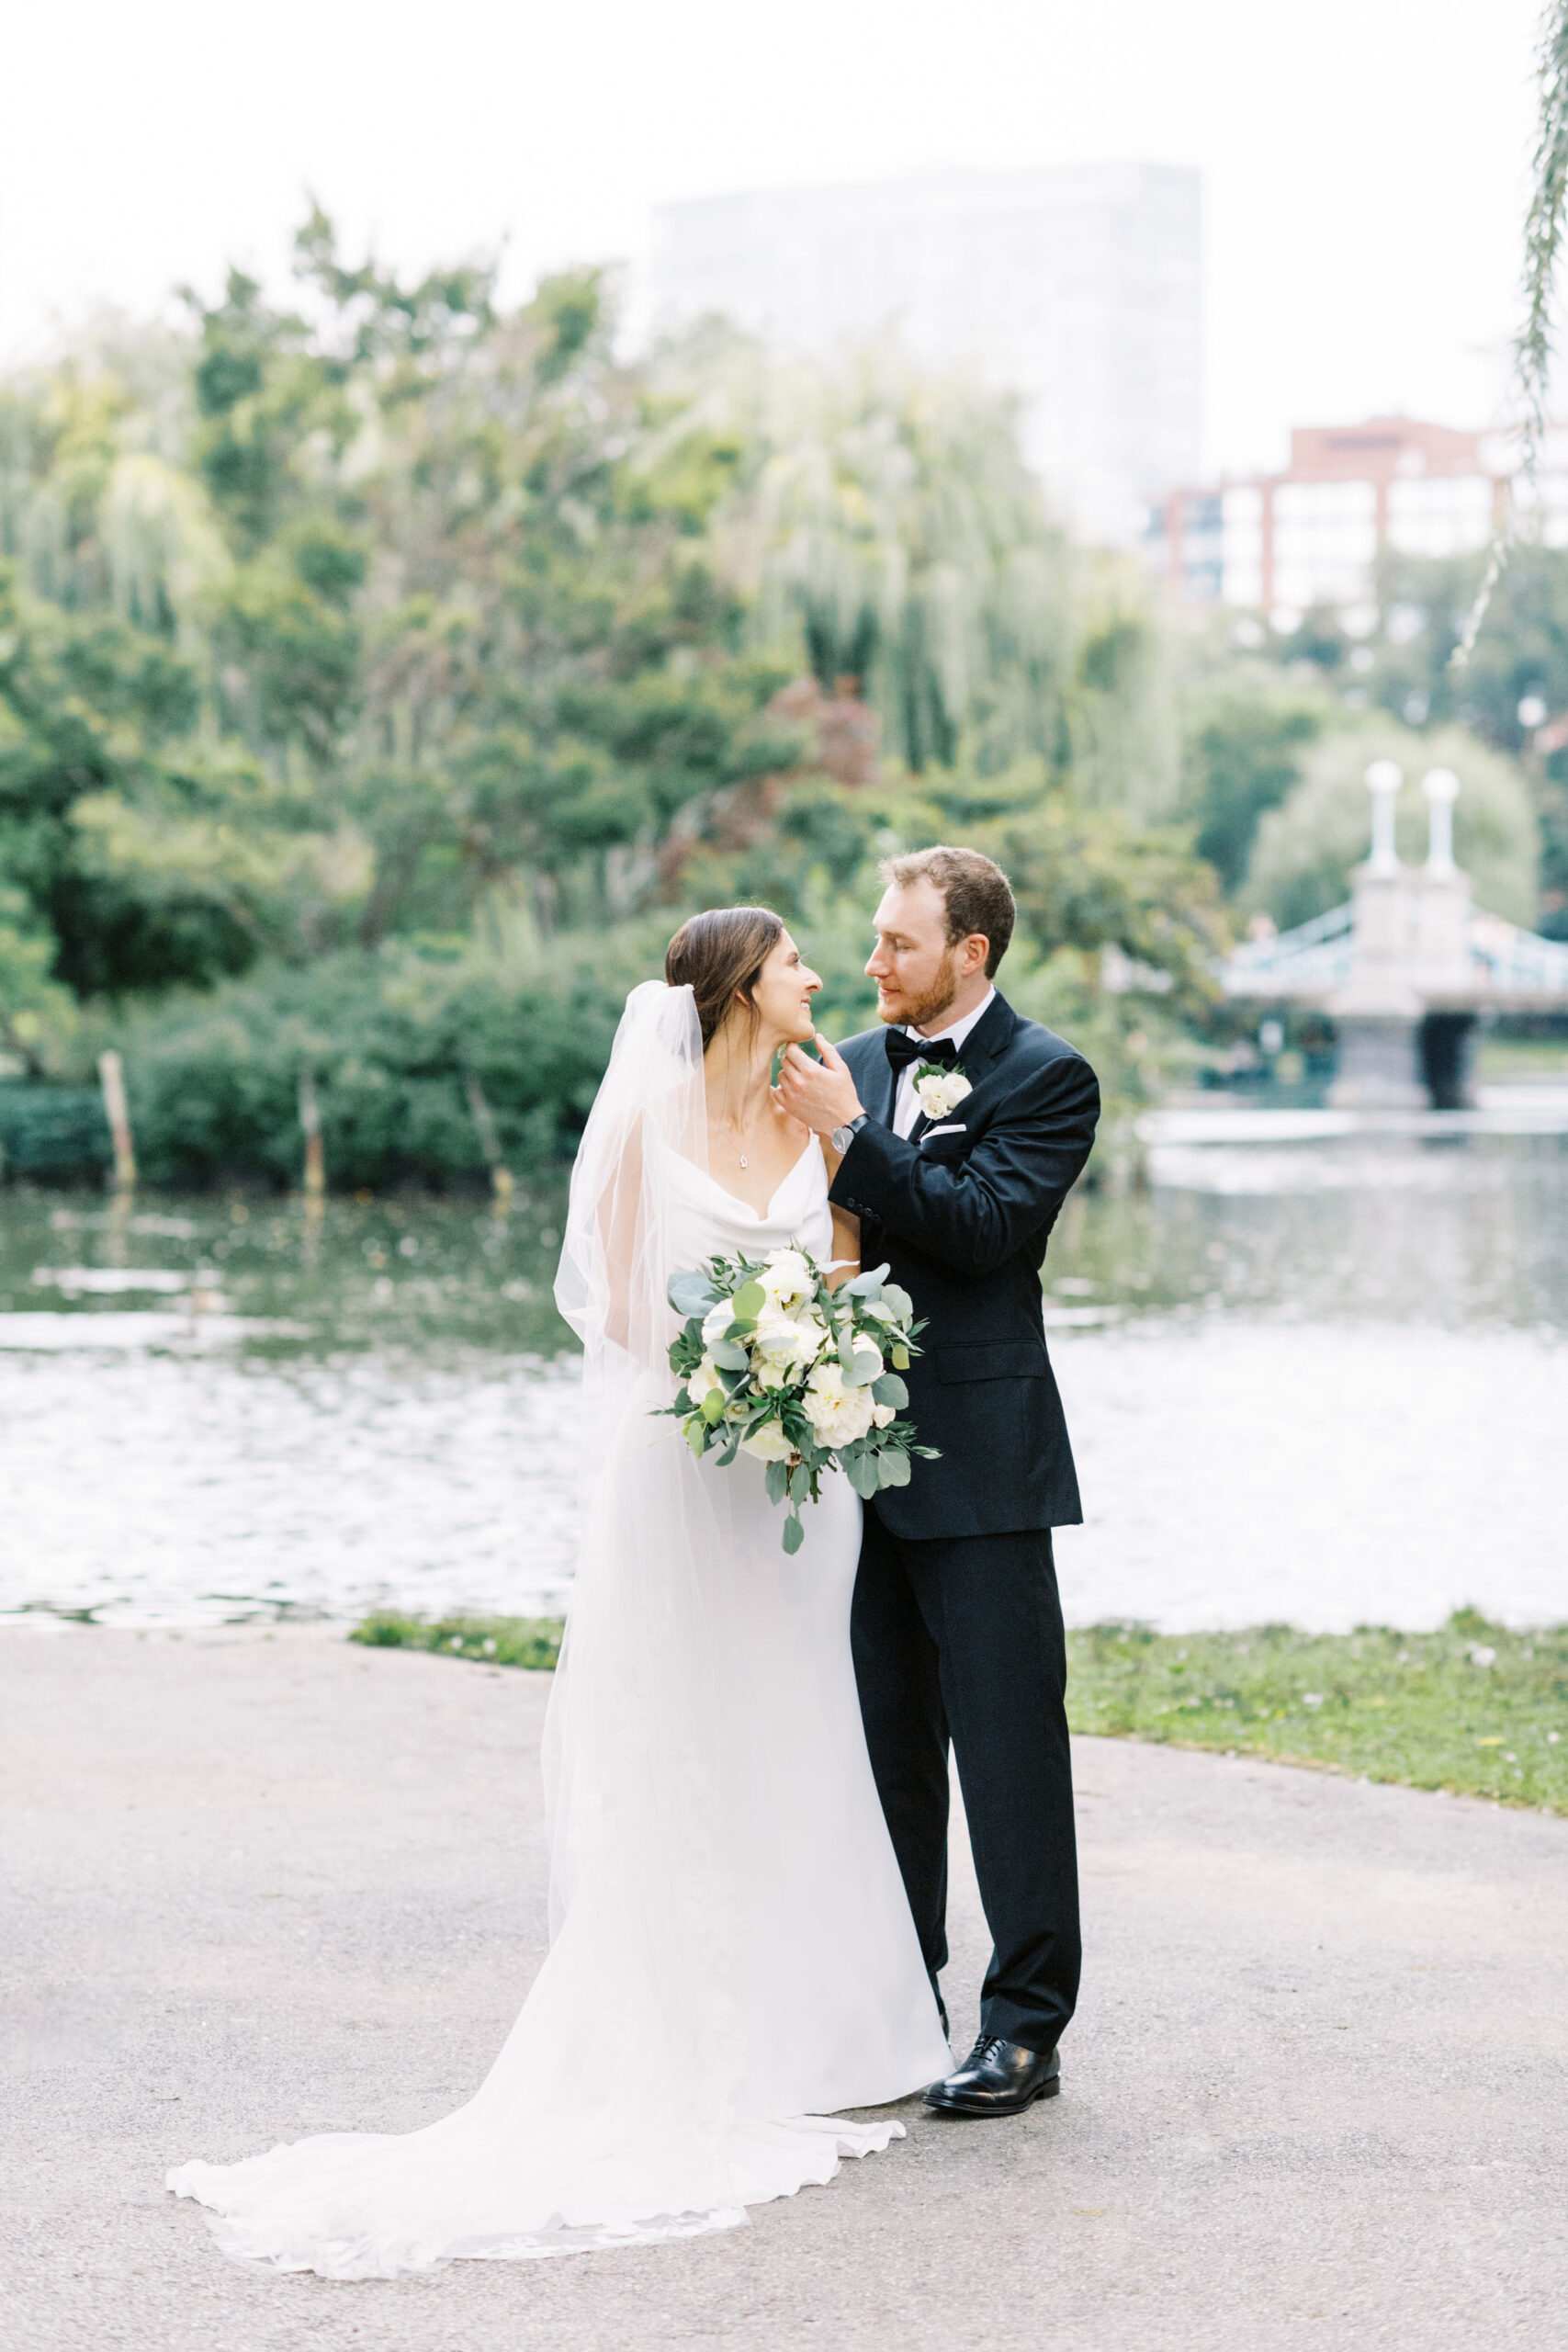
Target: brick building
1312, 535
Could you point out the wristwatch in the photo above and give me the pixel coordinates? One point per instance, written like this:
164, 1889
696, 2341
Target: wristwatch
843, 1137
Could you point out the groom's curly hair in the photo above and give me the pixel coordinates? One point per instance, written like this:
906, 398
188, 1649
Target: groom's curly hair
717, 956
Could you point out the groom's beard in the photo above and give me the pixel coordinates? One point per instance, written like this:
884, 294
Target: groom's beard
919, 1013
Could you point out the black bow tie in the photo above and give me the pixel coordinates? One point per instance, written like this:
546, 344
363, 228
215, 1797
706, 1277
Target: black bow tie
903, 1049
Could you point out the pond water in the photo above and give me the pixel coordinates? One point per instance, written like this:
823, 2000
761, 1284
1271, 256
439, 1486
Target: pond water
1315, 1370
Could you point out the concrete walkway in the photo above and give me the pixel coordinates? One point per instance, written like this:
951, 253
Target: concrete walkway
257, 1886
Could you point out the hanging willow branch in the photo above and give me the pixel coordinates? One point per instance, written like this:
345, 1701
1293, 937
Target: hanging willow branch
1544, 228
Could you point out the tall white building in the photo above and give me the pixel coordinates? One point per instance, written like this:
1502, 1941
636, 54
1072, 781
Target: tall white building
1077, 287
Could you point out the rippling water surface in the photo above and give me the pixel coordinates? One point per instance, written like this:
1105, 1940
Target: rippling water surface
1315, 1370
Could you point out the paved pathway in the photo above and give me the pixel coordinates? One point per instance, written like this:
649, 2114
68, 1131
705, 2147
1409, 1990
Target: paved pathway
259, 1885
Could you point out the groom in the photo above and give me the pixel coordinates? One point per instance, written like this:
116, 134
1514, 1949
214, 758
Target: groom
956, 1626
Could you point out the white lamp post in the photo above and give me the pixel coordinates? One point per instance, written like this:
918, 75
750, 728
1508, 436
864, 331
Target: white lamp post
1441, 788
1383, 780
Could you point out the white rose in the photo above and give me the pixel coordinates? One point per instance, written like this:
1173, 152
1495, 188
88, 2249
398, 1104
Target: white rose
943, 1093
702, 1381
769, 1443
838, 1414
787, 1275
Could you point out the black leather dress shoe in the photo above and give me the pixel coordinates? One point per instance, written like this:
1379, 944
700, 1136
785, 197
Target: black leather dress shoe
998, 2079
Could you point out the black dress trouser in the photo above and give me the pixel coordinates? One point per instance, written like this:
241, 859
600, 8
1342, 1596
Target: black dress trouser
961, 1638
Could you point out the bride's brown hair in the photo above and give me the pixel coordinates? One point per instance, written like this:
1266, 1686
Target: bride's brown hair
717, 956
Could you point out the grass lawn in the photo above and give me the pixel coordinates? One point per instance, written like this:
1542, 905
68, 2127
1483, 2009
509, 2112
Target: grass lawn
1505, 1057
1473, 1708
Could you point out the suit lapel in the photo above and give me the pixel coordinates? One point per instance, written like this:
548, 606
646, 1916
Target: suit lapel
881, 1084
989, 1038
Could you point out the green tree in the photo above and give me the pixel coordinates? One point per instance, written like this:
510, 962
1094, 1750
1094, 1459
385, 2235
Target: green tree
1241, 755
1305, 848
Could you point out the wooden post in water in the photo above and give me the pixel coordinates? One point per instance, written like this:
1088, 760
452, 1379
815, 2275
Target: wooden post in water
311, 1127
490, 1142
111, 1077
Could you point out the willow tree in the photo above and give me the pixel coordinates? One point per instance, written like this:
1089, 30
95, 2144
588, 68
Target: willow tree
883, 526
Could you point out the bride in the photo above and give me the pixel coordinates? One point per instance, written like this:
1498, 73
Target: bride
732, 1958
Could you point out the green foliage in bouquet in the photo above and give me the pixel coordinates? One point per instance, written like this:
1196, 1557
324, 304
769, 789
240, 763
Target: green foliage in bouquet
773, 1362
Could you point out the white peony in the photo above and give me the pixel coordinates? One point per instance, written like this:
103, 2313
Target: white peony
882, 1414
941, 1094
769, 1443
786, 1276
837, 1413
815, 1335
702, 1381
780, 1346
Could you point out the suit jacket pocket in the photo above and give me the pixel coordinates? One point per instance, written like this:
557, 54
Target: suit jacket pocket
995, 1360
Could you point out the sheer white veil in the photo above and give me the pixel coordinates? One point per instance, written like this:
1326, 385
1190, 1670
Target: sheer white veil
615, 1264
623, 1800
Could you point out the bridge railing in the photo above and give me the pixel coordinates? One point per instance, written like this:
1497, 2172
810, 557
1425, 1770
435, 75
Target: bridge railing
1308, 961
1510, 962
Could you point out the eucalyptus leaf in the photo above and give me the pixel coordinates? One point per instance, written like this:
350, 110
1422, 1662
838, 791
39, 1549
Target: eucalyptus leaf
712, 1406
697, 1435
750, 1300
690, 1294
899, 1358
893, 1468
778, 1481
794, 1535
903, 1306
729, 1355
862, 1368
800, 1484
890, 1390
862, 1473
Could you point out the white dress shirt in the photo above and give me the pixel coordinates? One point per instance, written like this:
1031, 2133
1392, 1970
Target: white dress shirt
907, 1102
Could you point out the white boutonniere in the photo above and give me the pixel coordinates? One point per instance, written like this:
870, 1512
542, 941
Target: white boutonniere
939, 1091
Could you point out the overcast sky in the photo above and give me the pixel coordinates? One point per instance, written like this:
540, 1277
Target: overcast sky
1364, 161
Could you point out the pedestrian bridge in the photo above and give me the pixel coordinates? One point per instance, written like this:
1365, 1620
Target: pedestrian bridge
1406, 965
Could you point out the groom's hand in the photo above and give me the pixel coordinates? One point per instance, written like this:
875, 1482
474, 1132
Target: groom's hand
821, 1095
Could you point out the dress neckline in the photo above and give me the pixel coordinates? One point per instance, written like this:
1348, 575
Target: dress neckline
761, 1215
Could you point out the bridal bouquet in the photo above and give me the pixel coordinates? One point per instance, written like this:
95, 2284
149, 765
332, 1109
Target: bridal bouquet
774, 1364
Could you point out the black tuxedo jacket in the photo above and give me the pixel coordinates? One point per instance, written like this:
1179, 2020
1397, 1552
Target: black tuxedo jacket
962, 1218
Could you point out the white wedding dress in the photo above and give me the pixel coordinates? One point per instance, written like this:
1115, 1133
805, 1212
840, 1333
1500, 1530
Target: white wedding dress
732, 1958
